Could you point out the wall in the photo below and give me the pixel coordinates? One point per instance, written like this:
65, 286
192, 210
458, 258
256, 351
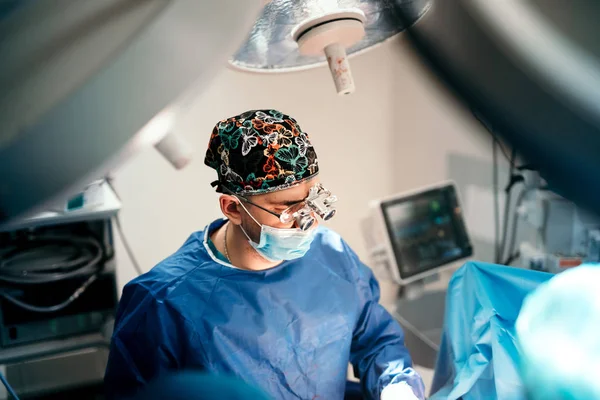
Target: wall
398, 131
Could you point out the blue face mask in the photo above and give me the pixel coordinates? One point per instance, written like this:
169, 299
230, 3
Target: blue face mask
281, 244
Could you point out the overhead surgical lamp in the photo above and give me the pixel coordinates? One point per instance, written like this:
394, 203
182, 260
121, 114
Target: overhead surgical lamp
81, 83
297, 35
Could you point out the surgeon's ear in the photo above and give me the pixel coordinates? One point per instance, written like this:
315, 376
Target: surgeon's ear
230, 208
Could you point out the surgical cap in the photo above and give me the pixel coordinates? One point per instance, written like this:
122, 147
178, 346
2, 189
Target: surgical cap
260, 151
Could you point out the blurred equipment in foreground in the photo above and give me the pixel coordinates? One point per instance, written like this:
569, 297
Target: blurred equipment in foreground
558, 326
531, 69
85, 84
198, 385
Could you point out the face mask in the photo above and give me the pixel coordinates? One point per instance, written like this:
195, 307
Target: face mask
281, 244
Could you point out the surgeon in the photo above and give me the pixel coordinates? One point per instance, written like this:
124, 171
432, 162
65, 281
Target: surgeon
265, 295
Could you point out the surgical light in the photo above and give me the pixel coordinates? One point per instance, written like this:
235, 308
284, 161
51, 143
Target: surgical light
298, 35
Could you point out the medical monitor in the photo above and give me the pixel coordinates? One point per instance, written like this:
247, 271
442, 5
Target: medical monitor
421, 232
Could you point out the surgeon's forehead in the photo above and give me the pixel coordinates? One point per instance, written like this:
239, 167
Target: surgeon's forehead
290, 196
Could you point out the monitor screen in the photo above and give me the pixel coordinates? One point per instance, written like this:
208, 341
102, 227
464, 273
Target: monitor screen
426, 230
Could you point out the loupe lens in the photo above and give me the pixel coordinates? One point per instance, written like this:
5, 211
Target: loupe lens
329, 215
305, 222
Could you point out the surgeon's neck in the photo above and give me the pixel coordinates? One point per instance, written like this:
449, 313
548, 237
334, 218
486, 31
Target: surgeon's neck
241, 254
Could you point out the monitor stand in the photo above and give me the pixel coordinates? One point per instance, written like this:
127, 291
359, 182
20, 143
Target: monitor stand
420, 311
416, 289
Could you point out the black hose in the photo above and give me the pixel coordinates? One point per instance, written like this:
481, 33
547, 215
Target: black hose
82, 257
76, 265
54, 308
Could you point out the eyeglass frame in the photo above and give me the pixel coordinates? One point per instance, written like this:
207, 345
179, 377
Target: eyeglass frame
318, 187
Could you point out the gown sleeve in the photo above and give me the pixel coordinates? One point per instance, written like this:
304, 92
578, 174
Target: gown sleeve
378, 353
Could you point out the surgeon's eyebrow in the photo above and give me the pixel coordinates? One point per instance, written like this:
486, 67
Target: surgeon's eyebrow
287, 202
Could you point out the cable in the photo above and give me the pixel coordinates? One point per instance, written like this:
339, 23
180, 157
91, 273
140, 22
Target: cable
512, 258
54, 308
109, 180
504, 227
83, 259
127, 247
498, 248
80, 257
9, 388
491, 131
513, 226
496, 204
502, 149
513, 237
513, 179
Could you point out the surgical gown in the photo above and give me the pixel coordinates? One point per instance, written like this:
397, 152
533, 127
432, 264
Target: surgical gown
290, 330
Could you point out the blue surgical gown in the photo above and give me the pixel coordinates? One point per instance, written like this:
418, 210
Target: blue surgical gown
290, 330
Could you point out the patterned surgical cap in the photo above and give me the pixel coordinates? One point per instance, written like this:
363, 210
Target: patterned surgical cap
260, 151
